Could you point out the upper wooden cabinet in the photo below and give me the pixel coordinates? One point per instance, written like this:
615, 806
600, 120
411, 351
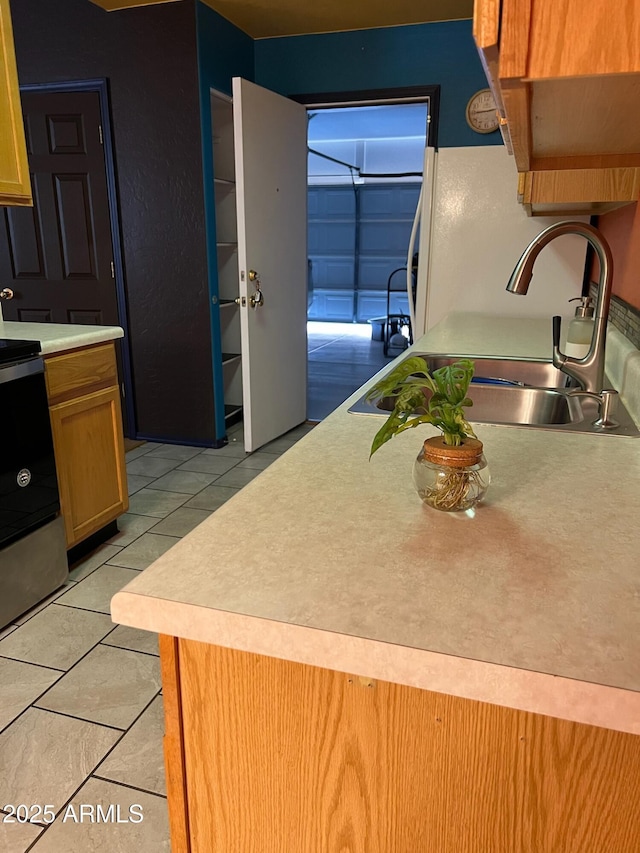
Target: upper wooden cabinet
15, 185
566, 78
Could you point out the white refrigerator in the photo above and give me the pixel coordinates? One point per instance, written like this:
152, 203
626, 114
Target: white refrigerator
472, 232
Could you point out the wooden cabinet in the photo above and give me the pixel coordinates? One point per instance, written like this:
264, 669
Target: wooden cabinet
566, 79
15, 185
270, 755
86, 421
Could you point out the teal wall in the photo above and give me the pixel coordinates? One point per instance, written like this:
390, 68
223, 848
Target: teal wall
224, 52
417, 55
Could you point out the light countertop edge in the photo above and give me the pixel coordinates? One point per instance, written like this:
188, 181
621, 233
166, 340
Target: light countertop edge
59, 337
509, 687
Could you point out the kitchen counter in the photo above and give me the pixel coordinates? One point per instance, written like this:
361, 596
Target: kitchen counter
58, 337
331, 560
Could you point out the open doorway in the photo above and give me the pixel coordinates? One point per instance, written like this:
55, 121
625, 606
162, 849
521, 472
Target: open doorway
364, 178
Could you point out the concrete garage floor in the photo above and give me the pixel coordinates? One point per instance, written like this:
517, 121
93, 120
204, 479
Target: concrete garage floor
342, 357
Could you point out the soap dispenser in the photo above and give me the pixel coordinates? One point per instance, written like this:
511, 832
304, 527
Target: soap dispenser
580, 328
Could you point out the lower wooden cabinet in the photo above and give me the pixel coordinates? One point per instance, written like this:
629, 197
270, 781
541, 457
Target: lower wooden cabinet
86, 422
269, 755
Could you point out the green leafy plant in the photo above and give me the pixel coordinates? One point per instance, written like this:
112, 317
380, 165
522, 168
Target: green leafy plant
444, 408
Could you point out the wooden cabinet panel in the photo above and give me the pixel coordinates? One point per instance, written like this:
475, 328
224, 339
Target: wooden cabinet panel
86, 421
580, 190
283, 756
567, 74
89, 449
80, 371
15, 185
571, 38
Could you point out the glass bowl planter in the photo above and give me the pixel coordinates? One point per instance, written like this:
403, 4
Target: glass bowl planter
451, 479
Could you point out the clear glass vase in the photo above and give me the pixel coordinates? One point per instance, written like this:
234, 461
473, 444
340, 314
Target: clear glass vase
451, 479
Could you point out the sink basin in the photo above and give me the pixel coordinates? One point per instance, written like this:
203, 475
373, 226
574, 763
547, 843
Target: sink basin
505, 392
515, 405
505, 371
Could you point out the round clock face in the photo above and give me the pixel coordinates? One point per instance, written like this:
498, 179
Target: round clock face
481, 112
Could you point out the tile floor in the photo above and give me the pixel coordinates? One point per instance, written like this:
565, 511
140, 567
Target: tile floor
81, 720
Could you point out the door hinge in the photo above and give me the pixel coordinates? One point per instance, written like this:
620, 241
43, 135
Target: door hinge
122, 394
113, 270
100, 133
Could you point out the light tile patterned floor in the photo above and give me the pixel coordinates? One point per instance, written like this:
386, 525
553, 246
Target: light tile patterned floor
80, 704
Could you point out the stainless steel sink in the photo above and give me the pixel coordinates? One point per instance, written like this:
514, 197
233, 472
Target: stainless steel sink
498, 401
513, 405
505, 371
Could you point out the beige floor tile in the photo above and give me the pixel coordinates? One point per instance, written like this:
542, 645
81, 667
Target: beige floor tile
234, 448
144, 551
175, 451
96, 591
109, 686
130, 455
278, 445
56, 637
134, 639
45, 757
258, 460
211, 498
206, 464
24, 617
7, 630
181, 522
135, 482
92, 561
186, 482
138, 759
155, 503
17, 837
130, 527
150, 835
237, 478
150, 466
21, 684
299, 431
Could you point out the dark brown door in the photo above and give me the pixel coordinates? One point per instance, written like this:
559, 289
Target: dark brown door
57, 257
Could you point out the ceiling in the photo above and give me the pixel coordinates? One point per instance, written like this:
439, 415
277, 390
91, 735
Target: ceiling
268, 18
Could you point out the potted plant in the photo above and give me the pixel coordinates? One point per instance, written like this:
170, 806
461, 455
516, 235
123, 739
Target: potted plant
450, 473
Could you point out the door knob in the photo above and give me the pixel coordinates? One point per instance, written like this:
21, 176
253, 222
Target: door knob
256, 299
6, 293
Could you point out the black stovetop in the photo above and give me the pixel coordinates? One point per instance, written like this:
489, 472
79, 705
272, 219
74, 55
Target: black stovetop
17, 350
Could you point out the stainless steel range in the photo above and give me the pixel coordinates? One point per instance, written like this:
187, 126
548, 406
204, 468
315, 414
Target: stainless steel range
32, 544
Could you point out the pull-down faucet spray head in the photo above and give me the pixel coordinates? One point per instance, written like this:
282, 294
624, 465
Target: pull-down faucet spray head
588, 371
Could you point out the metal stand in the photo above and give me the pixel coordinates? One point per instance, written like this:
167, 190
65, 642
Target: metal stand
394, 341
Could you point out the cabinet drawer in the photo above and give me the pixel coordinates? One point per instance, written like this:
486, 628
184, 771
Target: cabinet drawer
80, 371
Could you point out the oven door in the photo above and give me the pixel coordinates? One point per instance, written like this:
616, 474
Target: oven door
28, 485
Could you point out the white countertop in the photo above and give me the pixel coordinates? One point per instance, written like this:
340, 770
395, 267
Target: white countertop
58, 337
331, 560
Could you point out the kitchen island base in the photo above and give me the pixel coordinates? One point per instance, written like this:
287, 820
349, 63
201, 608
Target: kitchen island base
268, 755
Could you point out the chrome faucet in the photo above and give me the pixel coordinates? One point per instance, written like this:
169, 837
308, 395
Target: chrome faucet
587, 371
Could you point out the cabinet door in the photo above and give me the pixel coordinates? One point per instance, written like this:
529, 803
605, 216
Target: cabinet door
89, 448
15, 186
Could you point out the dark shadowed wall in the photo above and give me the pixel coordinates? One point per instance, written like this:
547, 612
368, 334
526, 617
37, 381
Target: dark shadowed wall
149, 56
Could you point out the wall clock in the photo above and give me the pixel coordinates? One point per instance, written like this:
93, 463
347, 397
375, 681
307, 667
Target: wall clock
481, 112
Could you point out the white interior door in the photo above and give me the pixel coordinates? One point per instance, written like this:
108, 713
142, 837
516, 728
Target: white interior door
270, 140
